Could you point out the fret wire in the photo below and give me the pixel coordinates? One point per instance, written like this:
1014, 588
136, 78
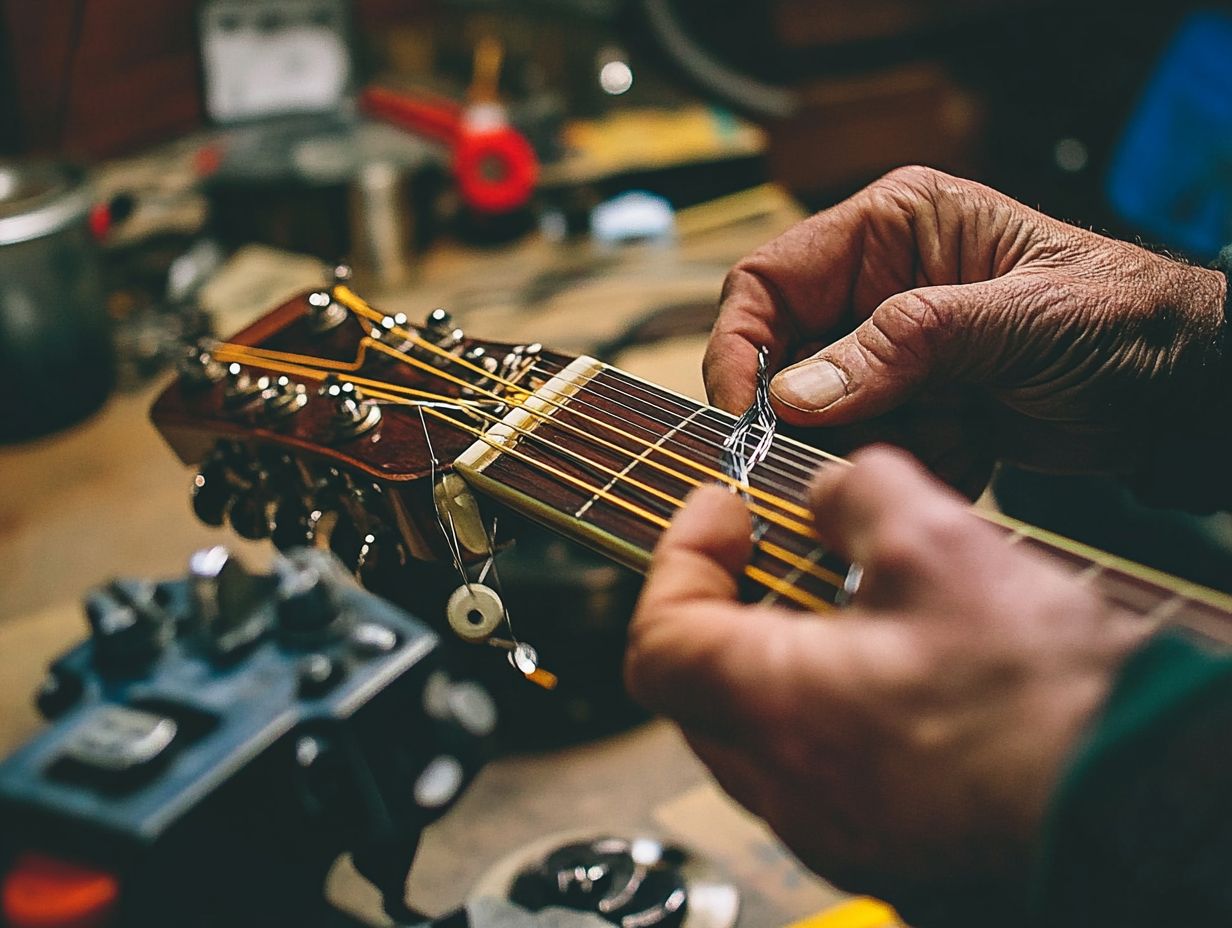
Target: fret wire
800, 486
801, 528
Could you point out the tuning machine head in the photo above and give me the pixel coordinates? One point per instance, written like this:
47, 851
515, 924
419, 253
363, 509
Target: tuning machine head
198, 368
283, 397
353, 415
324, 312
439, 328
241, 387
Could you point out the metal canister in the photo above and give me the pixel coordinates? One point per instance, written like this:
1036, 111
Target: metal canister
55, 346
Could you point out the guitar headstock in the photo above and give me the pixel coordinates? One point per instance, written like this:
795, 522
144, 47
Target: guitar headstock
327, 406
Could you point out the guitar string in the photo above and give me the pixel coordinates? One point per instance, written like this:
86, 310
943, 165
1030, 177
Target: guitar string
797, 457
230, 350
672, 436
360, 307
264, 359
798, 483
377, 389
348, 298
765, 578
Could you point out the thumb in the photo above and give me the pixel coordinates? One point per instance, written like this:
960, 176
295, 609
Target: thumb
911, 338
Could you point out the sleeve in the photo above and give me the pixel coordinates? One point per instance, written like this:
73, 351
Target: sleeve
1140, 831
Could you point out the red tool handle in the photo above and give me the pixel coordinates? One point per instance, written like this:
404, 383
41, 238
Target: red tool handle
494, 165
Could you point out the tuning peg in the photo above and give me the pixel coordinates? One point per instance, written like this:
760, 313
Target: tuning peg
439, 321
347, 542
324, 312
352, 415
249, 514
294, 524
440, 328
284, 398
382, 559
197, 367
342, 274
212, 492
241, 388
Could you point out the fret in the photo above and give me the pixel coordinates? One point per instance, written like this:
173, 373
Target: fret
814, 558
624, 472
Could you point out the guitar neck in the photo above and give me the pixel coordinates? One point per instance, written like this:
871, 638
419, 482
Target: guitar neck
606, 458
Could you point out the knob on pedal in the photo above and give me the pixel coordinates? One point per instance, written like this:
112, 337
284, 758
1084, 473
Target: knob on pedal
128, 625
231, 605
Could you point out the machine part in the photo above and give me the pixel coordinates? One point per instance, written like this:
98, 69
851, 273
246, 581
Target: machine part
630, 882
353, 415
324, 313
220, 782
381, 222
475, 612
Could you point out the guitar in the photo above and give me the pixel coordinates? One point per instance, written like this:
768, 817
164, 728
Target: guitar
328, 420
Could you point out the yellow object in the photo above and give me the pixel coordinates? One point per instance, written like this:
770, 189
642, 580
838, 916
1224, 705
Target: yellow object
544, 678
855, 913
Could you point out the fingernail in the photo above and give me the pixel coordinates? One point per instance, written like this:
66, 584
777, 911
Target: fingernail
811, 386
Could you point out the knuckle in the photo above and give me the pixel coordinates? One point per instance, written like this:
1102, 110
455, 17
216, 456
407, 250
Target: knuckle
910, 323
894, 549
912, 177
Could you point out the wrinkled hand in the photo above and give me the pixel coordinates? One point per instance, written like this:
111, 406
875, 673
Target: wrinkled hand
906, 747
1006, 333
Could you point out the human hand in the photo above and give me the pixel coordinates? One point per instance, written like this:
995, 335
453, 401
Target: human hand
906, 747
990, 330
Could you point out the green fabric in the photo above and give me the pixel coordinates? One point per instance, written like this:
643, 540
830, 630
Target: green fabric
1090, 835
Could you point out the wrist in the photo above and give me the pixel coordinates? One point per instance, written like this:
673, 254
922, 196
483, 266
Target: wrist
1184, 464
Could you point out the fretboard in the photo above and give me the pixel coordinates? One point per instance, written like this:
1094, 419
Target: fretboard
607, 458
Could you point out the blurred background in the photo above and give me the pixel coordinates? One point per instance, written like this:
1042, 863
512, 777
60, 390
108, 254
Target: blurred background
574, 172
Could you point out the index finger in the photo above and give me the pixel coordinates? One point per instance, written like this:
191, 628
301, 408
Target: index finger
806, 282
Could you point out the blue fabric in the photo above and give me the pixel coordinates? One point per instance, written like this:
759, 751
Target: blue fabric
1171, 176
